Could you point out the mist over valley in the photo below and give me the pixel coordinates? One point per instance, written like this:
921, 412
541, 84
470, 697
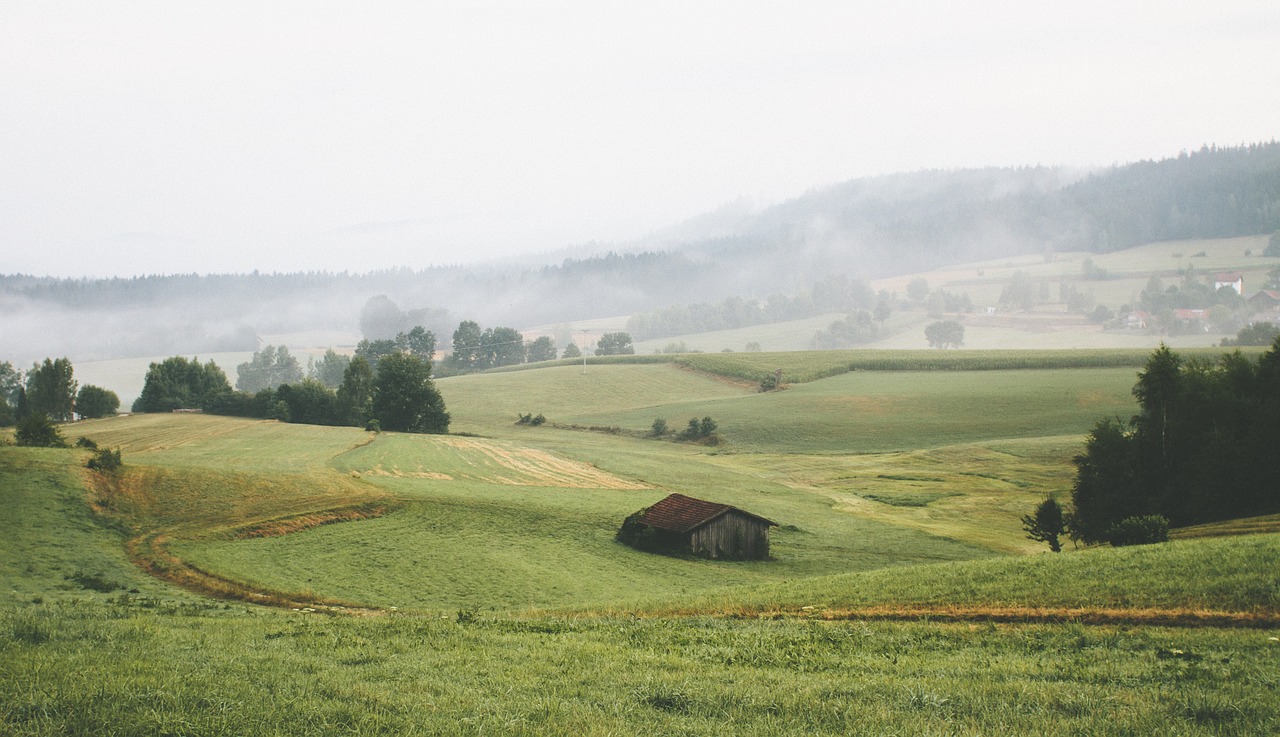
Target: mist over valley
862, 238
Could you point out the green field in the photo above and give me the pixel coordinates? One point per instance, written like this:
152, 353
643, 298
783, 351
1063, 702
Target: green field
493, 599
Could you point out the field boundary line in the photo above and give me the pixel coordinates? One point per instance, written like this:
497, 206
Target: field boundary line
1097, 616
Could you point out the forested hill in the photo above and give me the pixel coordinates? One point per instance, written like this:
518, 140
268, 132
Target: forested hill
861, 229
933, 217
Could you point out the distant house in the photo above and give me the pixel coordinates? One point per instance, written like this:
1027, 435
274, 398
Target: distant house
1233, 279
1189, 319
1268, 300
682, 525
1137, 320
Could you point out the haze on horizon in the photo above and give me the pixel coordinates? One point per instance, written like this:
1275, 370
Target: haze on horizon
153, 137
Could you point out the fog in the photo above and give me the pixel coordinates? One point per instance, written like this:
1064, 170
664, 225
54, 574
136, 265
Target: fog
160, 138
861, 229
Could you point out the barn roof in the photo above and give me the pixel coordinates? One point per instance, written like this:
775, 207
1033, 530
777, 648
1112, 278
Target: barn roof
680, 513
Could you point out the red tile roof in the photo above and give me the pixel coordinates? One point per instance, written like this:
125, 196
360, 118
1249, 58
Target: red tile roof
680, 513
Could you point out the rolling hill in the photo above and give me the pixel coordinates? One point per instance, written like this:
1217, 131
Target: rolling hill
469, 584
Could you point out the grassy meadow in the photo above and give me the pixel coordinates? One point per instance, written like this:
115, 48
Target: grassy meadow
470, 583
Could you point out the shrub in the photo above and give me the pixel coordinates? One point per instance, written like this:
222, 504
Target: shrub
38, 431
1152, 528
105, 460
659, 428
373, 426
1046, 524
698, 429
84, 442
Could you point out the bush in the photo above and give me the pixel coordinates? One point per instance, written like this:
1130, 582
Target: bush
105, 460
84, 442
659, 428
703, 430
38, 431
1152, 528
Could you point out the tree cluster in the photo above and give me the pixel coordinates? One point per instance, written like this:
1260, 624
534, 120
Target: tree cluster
417, 341
703, 430
1199, 450
944, 334
400, 395
1255, 333
268, 369
382, 319
857, 328
1194, 293
615, 344
179, 383
49, 390
475, 349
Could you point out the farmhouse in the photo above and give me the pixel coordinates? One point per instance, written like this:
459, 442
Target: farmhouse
1268, 300
681, 524
1233, 279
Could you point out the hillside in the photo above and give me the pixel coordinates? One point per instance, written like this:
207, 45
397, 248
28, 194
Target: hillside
886, 464
469, 584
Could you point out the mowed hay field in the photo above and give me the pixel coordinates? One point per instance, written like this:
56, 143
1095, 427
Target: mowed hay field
494, 600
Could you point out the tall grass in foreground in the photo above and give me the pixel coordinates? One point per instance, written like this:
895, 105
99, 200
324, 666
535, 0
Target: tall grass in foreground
120, 667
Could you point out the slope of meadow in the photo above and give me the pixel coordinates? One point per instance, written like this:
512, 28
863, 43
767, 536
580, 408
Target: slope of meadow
145, 660
499, 603
952, 466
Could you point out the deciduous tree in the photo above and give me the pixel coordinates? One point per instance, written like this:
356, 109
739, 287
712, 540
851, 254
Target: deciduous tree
94, 401
355, 396
268, 369
614, 344
330, 368
541, 349
467, 354
51, 389
945, 334
405, 398
179, 383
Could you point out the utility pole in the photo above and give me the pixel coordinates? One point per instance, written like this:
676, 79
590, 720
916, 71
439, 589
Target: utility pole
584, 351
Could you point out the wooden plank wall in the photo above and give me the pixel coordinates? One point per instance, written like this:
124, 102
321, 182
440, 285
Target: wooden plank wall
721, 537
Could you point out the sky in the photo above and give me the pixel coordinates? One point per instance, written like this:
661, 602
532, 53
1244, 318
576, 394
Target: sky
158, 137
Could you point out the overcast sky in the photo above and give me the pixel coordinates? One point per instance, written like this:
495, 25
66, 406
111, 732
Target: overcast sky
162, 137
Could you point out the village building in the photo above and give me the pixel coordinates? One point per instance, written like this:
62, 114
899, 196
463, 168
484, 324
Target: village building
1137, 320
683, 525
1267, 302
1233, 279
1192, 319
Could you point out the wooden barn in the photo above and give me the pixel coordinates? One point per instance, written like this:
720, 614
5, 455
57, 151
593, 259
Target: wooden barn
683, 525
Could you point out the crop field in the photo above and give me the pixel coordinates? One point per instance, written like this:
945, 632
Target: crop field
874, 411
565, 393
471, 583
445, 458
